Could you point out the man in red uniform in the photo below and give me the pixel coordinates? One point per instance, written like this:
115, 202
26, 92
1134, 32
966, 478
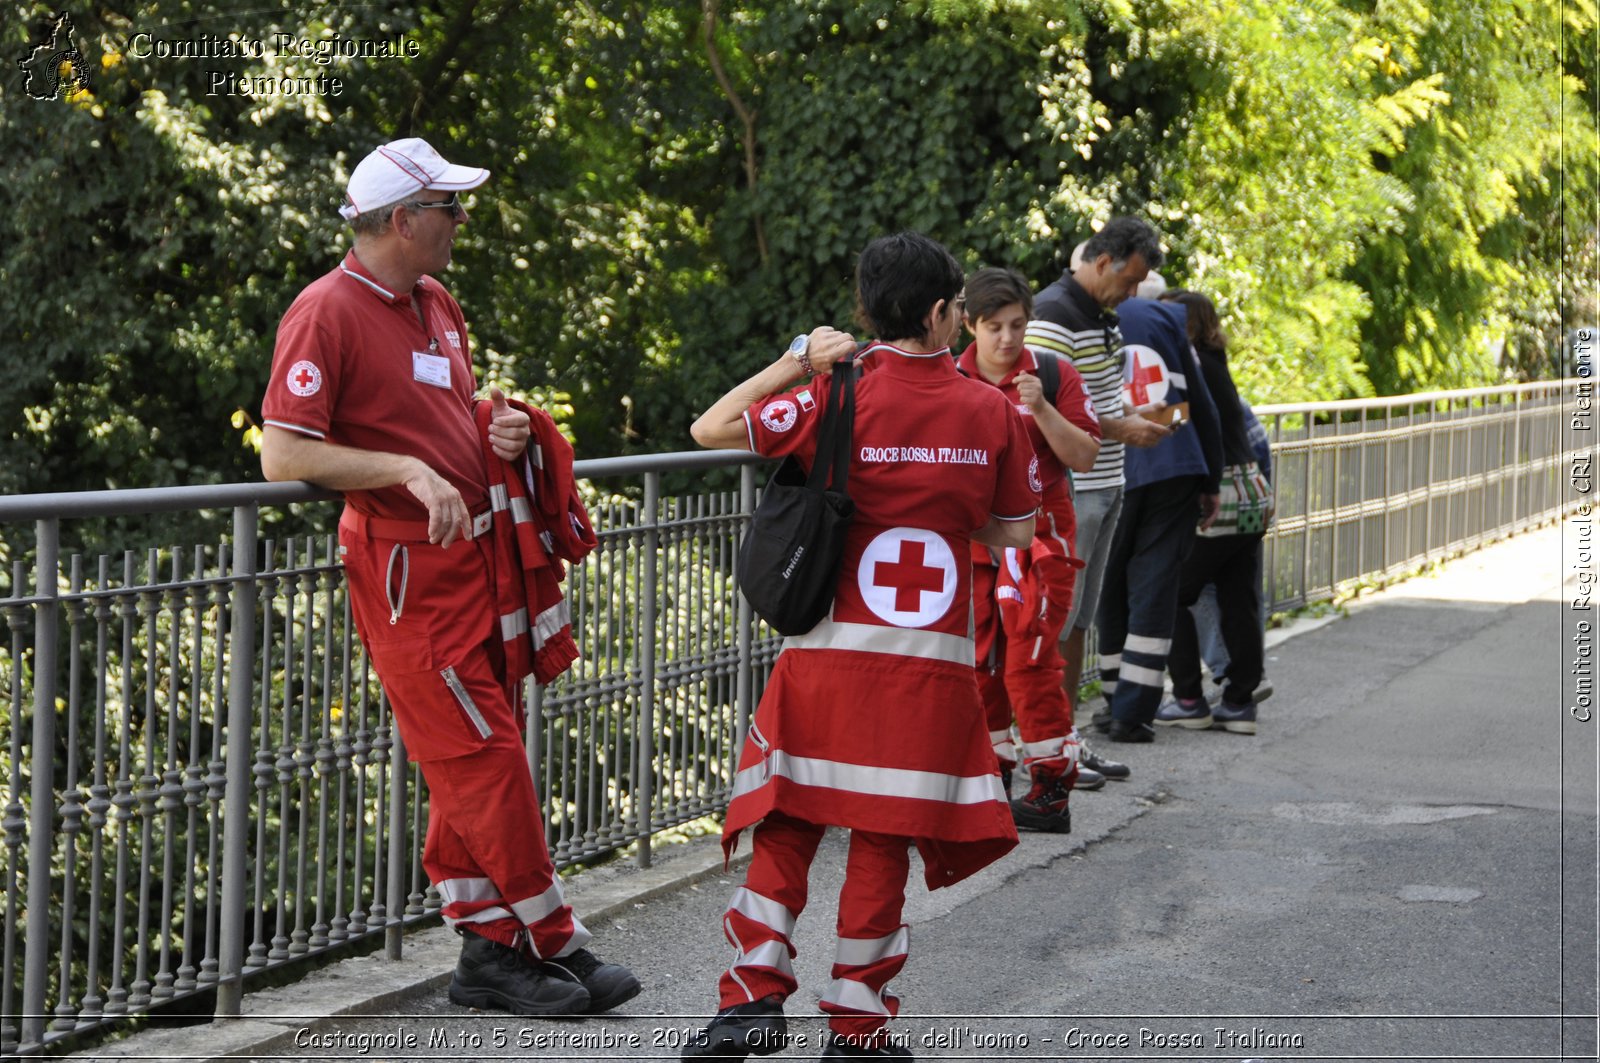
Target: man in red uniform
871, 720
372, 395
1019, 667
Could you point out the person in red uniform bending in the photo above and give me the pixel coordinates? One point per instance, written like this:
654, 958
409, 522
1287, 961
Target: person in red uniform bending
871, 720
372, 394
1021, 597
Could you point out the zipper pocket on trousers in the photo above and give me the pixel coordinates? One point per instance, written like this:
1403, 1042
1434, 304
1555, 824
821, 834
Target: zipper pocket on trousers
397, 604
766, 751
468, 706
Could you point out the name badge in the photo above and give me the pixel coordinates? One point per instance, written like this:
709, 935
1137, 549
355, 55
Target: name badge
431, 369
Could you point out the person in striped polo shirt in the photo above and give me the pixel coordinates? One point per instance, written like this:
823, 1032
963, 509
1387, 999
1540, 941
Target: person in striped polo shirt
1074, 317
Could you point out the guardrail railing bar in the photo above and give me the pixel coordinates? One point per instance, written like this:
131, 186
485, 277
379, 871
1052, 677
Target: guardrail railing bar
644, 760
36, 948
670, 645
238, 790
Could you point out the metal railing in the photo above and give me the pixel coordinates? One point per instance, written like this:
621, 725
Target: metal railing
202, 782
1371, 489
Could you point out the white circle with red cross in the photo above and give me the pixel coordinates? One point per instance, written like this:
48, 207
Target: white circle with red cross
1144, 377
304, 379
908, 577
779, 415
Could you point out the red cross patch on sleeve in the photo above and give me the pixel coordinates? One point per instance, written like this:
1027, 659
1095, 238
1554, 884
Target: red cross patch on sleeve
304, 379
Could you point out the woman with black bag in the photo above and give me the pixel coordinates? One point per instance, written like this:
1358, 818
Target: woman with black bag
871, 719
1227, 553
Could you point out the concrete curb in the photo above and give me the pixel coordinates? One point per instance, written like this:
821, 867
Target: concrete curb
369, 985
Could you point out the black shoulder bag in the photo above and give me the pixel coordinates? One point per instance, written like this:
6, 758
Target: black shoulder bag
789, 560
1049, 374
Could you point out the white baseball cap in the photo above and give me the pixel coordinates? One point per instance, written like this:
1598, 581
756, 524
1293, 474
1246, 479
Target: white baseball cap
1152, 285
402, 168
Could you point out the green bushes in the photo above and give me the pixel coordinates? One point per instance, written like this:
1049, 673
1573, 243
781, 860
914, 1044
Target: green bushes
1381, 197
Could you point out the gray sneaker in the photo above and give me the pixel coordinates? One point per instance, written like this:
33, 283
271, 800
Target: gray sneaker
1111, 769
1190, 713
1262, 692
1240, 719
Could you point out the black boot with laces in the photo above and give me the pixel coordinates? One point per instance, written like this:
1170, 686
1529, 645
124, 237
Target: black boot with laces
756, 1028
492, 975
1045, 807
608, 984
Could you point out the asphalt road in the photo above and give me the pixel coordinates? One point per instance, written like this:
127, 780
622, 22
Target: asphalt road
1402, 864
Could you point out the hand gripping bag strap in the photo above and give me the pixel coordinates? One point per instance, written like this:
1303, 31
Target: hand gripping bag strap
788, 565
1049, 374
830, 469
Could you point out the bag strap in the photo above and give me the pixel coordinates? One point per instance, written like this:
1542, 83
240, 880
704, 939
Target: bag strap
1049, 374
830, 467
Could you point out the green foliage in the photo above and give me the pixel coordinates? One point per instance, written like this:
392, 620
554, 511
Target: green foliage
1378, 196
1487, 165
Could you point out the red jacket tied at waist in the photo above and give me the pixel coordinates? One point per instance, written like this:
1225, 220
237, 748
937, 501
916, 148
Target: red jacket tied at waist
539, 523
1023, 588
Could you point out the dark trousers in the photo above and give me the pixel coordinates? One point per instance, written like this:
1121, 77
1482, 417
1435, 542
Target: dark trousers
1139, 600
1229, 561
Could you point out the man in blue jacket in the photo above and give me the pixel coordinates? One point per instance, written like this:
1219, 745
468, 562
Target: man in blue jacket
1171, 487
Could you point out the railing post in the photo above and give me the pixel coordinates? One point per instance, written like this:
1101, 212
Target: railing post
645, 746
744, 691
1308, 426
399, 776
1338, 487
1516, 462
239, 785
41, 838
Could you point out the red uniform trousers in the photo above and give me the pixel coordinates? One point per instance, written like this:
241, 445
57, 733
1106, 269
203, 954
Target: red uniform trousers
872, 941
1021, 678
427, 618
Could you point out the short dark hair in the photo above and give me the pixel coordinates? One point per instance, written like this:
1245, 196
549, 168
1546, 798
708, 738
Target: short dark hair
991, 290
1122, 238
899, 278
1205, 328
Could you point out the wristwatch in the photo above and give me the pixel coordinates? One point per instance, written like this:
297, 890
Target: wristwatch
797, 351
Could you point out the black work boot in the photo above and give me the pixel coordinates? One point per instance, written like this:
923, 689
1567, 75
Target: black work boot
757, 1028
1045, 807
608, 984
492, 975
843, 1048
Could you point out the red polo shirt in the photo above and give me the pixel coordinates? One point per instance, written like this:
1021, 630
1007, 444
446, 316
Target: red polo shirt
1071, 400
354, 365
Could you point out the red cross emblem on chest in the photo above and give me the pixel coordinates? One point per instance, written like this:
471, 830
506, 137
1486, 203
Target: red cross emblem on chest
1145, 374
910, 577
